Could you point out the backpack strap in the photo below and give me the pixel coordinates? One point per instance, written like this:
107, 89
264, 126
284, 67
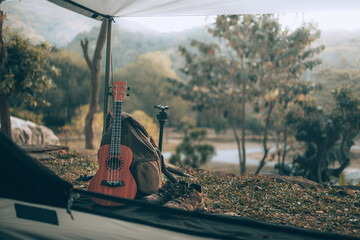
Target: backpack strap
139, 126
164, 169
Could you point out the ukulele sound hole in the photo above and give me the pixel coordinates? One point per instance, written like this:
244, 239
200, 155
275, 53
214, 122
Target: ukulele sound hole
114, 163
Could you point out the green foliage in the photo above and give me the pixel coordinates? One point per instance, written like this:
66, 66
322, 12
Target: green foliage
191, 151
254, 124
71, 86
186, 123
25, 76
219, 124
130, 45
208, 73
332, 79
149, 124
328, 136
147, 80
27, 115
260, 62
67, 90
77, 124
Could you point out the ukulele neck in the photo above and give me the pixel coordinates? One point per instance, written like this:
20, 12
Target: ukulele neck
116, 130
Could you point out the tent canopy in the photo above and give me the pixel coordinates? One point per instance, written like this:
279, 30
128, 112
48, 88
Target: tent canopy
98, 9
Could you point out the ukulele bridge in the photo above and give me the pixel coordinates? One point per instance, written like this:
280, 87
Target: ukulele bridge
109, 183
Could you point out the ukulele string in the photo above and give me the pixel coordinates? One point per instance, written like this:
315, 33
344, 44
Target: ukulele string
120, 125
118, 142
112, 80
116, 152
113, 145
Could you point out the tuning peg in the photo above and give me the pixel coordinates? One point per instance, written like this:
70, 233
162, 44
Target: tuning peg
127, 94
128, 88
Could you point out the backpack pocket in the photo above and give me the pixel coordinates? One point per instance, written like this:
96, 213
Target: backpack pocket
147, 174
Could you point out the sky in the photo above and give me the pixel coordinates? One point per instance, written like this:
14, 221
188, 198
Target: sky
349, 20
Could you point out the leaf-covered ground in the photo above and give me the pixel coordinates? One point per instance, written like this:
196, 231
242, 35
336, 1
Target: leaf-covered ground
283, 200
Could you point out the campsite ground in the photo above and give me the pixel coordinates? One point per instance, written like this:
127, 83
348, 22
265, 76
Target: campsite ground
269, 198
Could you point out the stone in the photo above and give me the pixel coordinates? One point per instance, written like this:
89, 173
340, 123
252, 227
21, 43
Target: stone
27, 132
352, 176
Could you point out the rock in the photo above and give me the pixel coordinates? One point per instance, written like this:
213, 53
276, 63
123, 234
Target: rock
27, 132
352, 176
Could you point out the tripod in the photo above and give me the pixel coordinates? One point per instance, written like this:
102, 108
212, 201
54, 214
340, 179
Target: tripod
162, 118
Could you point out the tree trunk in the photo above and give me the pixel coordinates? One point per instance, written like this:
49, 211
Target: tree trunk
266, 150
4, 103
345, 160
243, 127
89, 130
5, 115
284, 149
320, 166
95, 68
277, 146
238, 144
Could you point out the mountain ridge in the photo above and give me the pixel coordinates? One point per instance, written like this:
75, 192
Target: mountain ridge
41, 20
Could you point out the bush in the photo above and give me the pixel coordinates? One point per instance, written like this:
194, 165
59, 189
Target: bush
219, 124
186, 123
255, 125
27, 115
192, 152
148, 122
77, 124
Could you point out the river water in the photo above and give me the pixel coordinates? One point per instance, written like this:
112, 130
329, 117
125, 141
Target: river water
352, 175
232, 156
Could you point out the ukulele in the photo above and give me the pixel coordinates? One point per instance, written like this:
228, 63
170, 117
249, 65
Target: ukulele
114, 177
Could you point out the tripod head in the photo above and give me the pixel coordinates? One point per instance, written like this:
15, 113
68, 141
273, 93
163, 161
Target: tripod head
163, 115
161, 107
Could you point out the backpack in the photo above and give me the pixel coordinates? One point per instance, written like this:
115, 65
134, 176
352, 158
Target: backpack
147, 164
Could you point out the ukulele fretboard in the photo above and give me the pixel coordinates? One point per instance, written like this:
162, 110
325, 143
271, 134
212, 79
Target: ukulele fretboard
116, 130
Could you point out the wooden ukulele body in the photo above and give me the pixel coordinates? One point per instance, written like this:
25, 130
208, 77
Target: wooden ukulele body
113, 177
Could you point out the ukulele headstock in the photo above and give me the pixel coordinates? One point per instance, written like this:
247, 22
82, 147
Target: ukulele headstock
119, 91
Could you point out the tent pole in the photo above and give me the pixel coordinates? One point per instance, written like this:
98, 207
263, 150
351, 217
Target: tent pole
107, 70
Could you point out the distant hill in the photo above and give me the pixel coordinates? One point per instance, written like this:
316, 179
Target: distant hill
40, 20
43, 20
128, 45
342, 49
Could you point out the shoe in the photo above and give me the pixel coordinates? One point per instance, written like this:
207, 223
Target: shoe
166, 192
191, 200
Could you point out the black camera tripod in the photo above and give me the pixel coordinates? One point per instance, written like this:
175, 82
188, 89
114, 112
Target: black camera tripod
162, 118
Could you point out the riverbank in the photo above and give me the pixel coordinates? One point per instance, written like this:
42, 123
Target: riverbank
226, 157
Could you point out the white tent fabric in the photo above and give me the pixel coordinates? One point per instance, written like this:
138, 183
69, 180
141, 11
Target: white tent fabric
20, 220
149, 8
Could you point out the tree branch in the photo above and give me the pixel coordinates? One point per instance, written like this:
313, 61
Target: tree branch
345, 160
85, 48
100, 44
